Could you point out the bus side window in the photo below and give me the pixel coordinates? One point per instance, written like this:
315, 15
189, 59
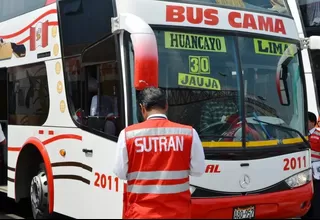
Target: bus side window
91, 66
101, 89
28, 94
12, 8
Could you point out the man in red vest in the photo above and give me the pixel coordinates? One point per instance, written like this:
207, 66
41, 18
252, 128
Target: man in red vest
314, 140
156, 158
314, 137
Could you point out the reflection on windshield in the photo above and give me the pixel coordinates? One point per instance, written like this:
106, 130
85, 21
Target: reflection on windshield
202, 81
260, 59
197, 69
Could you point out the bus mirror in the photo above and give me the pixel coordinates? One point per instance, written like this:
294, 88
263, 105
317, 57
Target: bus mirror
282, 74
145, 49
282, 86
314, 43
145, 61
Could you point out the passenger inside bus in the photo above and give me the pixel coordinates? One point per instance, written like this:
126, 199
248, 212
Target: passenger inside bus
102, 106
96, 107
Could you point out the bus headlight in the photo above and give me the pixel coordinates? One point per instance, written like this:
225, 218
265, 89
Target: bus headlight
299, 179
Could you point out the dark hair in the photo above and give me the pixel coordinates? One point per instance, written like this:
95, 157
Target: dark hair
312, 117
152, 97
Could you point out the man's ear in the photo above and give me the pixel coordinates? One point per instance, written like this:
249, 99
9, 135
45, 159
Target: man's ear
142, 109
167, 106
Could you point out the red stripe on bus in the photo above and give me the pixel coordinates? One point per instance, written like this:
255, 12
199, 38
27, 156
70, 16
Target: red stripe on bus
41, 147
24, 40
52, 11
52, 23
62, 136
50, 2
315, 156
46, 159
51, 140
15, 149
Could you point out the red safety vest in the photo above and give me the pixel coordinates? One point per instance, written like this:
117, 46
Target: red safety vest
158, 169
314, 140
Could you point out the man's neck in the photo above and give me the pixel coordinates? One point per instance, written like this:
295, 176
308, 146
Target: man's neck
156, 114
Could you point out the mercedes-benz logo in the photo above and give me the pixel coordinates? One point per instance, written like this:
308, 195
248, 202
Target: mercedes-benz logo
244, 181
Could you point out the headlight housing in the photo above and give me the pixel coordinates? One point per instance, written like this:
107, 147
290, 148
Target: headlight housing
299, 179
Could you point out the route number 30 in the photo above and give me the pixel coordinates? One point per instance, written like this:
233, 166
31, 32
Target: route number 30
199, 64
294, 163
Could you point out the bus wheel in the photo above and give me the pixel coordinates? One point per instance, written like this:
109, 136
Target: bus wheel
39, 195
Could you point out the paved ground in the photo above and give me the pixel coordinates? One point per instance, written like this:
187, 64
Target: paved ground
11, 210
9, 216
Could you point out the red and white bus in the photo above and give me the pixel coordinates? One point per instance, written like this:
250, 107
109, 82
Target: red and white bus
71, 70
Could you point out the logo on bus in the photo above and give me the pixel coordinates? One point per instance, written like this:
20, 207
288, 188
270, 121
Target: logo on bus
213, 168
244, 181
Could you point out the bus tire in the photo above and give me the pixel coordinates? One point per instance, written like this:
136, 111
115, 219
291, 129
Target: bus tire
39, 194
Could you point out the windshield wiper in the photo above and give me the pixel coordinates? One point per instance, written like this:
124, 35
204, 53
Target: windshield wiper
262, 126
216, 136
285, 129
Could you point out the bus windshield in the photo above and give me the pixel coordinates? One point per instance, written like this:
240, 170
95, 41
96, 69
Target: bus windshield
200, 73
275, 6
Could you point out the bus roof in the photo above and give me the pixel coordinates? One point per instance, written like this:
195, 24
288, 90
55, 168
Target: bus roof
264, 6
202, 16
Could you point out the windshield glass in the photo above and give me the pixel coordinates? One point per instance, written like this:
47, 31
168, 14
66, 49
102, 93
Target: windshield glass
196, 69
259, 60
199, 71
276, 6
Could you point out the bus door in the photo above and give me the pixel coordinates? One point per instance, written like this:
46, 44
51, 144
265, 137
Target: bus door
4, 125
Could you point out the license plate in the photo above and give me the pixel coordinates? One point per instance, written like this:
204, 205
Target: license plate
244, 212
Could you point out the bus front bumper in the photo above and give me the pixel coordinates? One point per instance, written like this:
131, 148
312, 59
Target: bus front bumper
286, 204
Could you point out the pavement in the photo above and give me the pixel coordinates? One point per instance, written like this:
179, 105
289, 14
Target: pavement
9, 216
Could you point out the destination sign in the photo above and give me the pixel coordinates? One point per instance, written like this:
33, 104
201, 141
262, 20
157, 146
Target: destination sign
184, 41
268, 47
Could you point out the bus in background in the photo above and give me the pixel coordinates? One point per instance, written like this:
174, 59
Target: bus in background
71, 70
306, 14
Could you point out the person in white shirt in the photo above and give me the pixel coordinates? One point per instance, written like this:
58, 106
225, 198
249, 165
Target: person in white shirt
312, 121
197, 163
2, 137
3, 157
157, 157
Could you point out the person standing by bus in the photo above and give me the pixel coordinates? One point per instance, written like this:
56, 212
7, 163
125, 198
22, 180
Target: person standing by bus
2, 137
314, 140
314, 137
3, 159
156, 157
